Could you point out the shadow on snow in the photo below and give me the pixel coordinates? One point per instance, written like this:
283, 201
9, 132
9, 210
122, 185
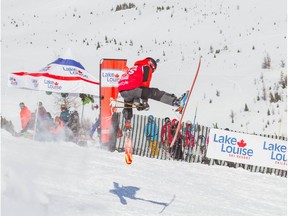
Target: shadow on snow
124, 192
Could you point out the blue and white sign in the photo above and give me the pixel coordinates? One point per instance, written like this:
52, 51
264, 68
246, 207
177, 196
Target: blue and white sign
248, 149
110, 77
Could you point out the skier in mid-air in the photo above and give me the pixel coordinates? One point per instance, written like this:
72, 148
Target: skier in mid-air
134, 85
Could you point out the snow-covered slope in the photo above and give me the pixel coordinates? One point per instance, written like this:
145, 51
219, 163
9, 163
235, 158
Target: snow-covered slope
233, 37
59, 179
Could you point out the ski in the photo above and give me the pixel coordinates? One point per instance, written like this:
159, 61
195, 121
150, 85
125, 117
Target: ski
125, 104
185, 105
193, 130
128, 147
122, 107
128, 142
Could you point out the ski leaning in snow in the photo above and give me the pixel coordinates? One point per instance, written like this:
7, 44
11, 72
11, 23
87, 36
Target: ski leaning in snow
187, 151
183, 109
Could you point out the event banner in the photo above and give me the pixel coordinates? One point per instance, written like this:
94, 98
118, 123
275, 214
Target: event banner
61, 76
110, 73
247, 149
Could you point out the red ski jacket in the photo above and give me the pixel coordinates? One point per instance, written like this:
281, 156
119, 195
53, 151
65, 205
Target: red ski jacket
139, 75
25, 116
189, 137
166, 135
146, 71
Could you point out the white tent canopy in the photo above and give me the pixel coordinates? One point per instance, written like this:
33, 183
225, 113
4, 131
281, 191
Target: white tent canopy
62, 76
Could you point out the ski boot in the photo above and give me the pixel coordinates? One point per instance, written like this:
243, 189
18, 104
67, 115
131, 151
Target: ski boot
127, 127
180, 102
136, 102
143, 106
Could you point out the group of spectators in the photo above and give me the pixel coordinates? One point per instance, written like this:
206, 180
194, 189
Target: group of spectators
184, 142
65, 126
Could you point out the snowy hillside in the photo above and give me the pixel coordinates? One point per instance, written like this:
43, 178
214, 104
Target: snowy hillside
59, 179
232, 37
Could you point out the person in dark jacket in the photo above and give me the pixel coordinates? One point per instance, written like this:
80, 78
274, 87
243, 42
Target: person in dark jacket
176, 151
65, 114
74, 125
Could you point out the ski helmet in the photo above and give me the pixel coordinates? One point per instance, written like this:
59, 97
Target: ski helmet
188, 122
174, 121
152, 63
167, 119
150, 117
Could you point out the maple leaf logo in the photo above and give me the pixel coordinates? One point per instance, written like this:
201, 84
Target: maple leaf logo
116, 75
80, 72
241, 144
56, 83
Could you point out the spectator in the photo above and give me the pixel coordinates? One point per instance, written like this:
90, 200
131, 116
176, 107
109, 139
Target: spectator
25, 117
95, 126
176, 151
64, 115
49, 121
49, 117
86, 98
74, 125
189, 140
42, 113
43, 122
166, 136
151, 133
57, 130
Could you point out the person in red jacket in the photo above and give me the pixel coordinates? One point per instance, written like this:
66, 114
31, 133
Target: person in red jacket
189, 136
135, 84
57, 130
25, 117
189, 139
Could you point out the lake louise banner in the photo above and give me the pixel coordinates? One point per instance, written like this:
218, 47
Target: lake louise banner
247, 149
61, 76
110, 72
